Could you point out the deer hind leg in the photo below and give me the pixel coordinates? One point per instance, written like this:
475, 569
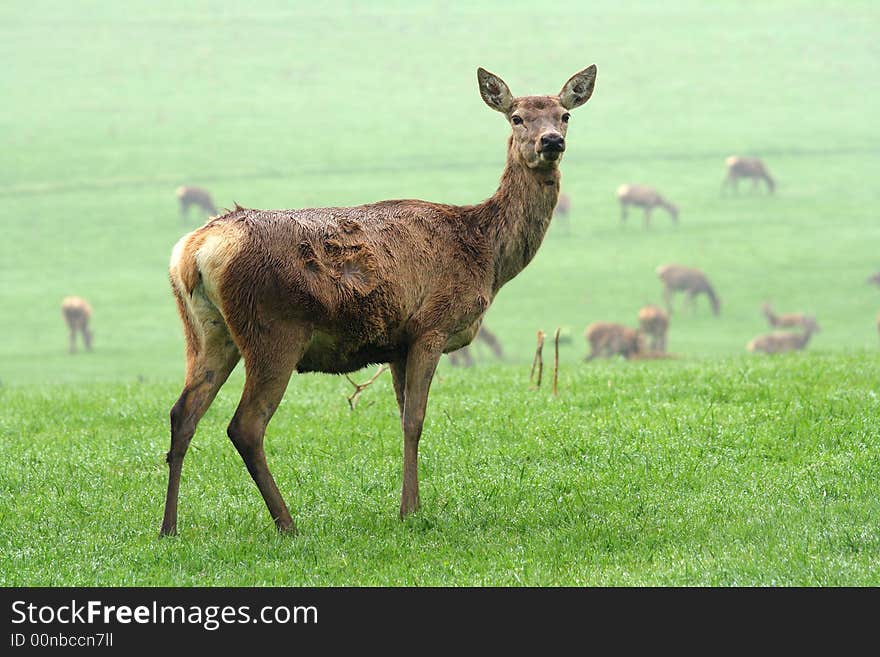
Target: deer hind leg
421, 362
623, 212
208, 366
269, 361
72, 330
398, 378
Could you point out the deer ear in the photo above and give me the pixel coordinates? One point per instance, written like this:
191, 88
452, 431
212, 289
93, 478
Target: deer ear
579, 88
494, 91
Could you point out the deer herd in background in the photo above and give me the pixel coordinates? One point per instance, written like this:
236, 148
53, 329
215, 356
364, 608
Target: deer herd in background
605, 339
608, 339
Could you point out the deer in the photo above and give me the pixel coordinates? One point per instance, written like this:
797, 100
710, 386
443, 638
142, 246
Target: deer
463, 356
608, 339
77, 312
788, 320
678, 278
561, 213
780, 341
654, 323
746, 167
646, 198
188, 196
335, 289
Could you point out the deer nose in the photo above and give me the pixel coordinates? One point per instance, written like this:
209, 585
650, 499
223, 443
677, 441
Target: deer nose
553, 142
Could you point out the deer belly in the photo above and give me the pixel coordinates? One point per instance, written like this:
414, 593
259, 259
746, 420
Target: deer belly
332, 354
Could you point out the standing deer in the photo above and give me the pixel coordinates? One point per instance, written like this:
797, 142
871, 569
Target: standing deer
608, 339
646, 198
463, 356
678, 278
746, 167
335, 289
77, 312
774, 343
197, 196
788, 320
561, 212
654, 323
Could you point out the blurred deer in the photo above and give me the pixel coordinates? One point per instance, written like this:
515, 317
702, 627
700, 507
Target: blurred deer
774, 343
654, 323
561, 212
646, 198
746, 167
788, 320
77, 312
463, 356
874, 279
608, 339
678, 278
188, 196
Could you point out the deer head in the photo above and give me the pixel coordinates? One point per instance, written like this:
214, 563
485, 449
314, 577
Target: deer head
539, 123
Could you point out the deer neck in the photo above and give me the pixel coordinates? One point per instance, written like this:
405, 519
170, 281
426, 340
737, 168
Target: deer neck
518, 215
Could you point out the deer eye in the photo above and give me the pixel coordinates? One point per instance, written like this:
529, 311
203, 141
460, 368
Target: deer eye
517, 120
566, 117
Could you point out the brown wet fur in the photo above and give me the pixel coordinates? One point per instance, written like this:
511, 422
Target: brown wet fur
336, 289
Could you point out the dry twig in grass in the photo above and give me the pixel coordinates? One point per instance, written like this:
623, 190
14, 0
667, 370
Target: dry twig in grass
555, 360
360, 387
538, 361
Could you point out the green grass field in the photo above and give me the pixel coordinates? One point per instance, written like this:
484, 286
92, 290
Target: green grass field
715, 468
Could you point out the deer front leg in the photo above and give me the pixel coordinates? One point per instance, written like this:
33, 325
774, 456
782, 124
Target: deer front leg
421, 362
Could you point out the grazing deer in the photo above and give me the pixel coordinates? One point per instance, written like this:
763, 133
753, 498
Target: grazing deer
874, 279
774, 343
335, 289
463, 356
608, 339
746, 167
195, 196
77, 312
678, 278
646, 198
654, 323
788, 320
